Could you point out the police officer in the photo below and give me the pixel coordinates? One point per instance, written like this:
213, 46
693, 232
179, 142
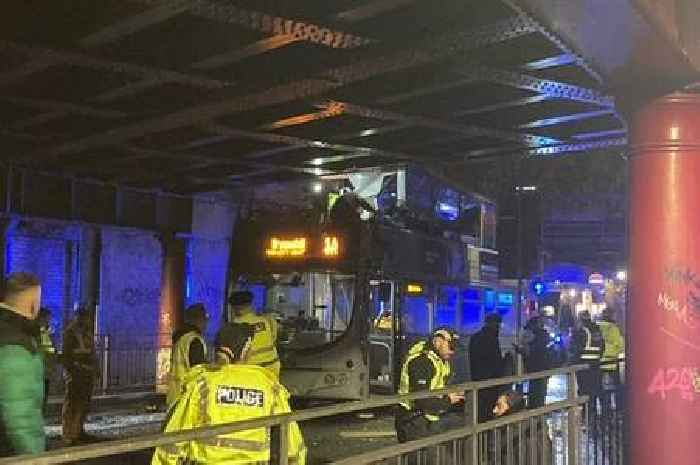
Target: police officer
263, 351
427, 367
80, 364
589, 347
228, 391
189, 349
614, 351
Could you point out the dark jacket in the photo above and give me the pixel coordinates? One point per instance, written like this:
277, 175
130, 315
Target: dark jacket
580, 338
196, 351
537, 357
485, 358
21, 385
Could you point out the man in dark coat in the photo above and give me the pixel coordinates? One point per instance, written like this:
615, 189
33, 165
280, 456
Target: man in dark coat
21, 368
486, 362
534, 346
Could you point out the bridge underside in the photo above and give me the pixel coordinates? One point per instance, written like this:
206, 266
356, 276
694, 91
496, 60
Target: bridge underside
196, 95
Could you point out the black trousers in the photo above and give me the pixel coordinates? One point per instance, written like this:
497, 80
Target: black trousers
590, 383
537, 393
411, 426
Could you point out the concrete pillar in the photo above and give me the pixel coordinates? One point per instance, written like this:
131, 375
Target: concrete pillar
172, 301
663, 325
89, 254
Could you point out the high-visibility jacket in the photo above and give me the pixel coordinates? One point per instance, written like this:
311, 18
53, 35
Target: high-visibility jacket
592, 350
180, 365
220, 394
48, 350
263, 351
614, 345
441, 373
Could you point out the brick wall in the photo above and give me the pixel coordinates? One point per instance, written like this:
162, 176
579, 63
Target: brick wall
46, 257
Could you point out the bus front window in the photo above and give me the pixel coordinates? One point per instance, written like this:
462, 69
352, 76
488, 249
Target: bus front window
313, 308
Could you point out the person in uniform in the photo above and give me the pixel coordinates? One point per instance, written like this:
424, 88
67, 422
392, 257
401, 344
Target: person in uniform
611, 365
189, 349
427, 367
588, 348
227, 391
263, 351
48, 350
80, 365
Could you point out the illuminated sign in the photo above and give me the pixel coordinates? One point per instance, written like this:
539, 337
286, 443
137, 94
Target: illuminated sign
414, 289
596, 278
330, 246
326, 246
286, 247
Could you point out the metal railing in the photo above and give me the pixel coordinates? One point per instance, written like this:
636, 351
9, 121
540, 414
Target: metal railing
473, 443
604, 419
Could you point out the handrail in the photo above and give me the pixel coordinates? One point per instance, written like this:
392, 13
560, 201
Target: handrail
120, 446
458, 433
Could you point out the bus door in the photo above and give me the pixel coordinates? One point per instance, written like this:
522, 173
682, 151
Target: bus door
381, 334
414, 320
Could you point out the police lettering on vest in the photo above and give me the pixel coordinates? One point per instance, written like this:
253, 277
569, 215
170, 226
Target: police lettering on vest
232, 395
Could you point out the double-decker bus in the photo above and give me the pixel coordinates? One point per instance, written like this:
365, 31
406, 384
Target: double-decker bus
353, 298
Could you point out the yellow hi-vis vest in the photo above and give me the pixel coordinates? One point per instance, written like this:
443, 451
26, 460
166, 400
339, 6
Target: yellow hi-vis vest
262, 351
180, 365
220, 394
48, 350
614, 346
440, 376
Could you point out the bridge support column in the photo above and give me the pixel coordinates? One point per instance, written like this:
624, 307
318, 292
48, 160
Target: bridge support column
663, 324
172, 302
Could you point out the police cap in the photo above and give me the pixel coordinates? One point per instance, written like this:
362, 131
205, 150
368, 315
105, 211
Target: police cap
239, 298
448, 334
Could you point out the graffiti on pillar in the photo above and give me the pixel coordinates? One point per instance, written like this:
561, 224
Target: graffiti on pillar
680, 298
680, 381
680, 310
137, 296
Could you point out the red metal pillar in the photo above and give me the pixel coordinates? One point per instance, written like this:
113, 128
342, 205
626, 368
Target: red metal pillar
664, 322
172, 302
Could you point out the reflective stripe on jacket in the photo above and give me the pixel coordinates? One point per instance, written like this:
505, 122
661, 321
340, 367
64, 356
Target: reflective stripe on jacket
592, 351
263, 351
180, 365
224, 394
441, 373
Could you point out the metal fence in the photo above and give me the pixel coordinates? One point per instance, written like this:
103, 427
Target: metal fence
604, 419
558, 433
123, 364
